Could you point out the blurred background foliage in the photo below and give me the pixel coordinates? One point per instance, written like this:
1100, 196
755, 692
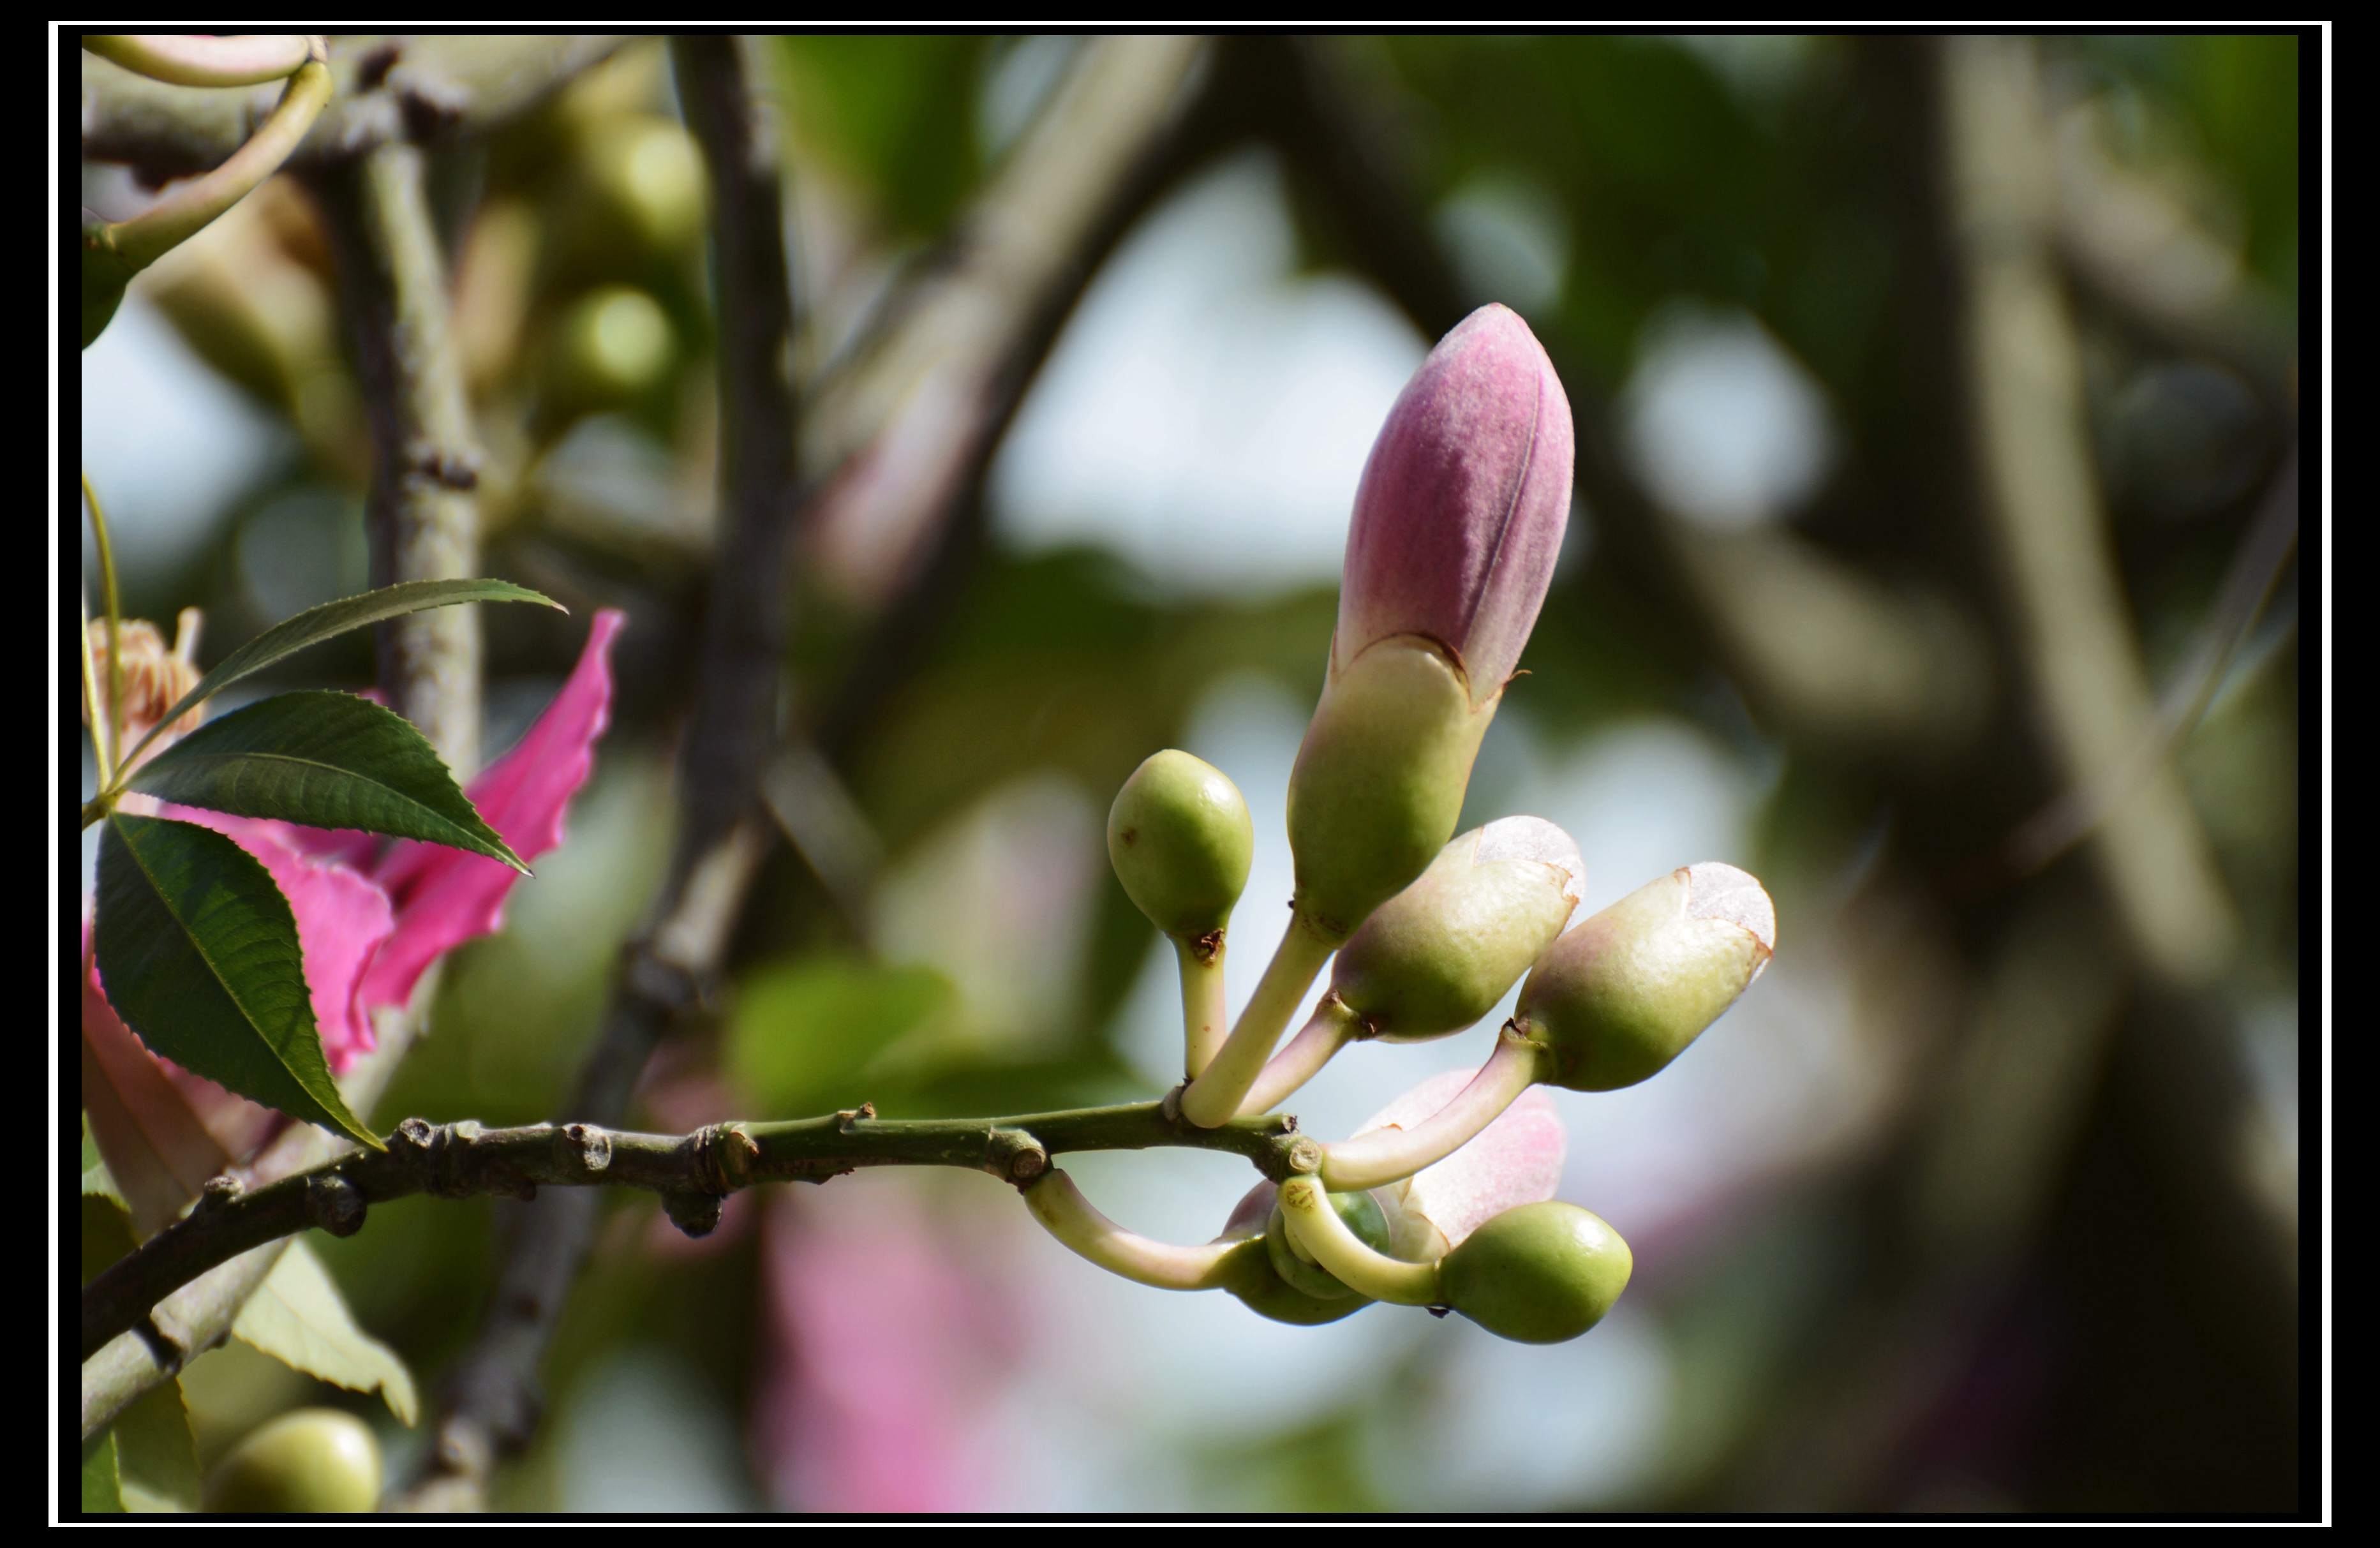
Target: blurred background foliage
1982, 1206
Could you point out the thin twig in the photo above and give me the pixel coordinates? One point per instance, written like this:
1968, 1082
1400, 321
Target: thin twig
692, 1172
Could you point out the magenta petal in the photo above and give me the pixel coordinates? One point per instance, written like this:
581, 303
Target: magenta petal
1459, 515
446, 896
343, 918
1516, 1160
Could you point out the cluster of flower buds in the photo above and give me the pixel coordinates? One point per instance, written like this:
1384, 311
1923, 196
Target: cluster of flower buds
1445, 1199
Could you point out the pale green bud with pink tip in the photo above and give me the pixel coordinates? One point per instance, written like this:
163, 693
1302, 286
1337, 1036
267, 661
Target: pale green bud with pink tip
1622, 995
1457, 524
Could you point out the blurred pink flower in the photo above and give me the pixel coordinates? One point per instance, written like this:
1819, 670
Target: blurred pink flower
1516, 1160
1459, 515
885, 1342
369, 924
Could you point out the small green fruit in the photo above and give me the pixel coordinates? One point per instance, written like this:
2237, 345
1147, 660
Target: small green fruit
1617, 998
1363, 1216
1262, 1291
316, 1461
1540, 1274
1180, 840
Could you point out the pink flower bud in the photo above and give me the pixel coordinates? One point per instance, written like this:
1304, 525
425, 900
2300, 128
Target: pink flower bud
1459, 515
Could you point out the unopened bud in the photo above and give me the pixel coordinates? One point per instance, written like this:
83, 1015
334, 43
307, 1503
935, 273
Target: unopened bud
1540, 1274
153, 678
1437, 955
1180, 840
1297, 1265
1617, 998
1258, 1285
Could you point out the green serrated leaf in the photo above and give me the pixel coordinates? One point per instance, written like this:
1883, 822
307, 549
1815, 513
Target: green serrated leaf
198, 951
299, 1317
332, 618
102, 1489
106, 1234
157, 1465
97, 1180
327, 760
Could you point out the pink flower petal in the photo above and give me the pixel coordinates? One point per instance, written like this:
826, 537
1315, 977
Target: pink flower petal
446, 896
1516, 1160
882, 1351
343, 918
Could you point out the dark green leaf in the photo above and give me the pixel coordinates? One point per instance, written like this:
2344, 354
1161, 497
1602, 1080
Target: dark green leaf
199, 954
318, 623
327, 760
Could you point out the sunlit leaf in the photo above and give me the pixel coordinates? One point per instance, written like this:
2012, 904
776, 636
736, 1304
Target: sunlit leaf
198, 953
299, 1317
103, 1493
157, 1465
332, 618
325, 761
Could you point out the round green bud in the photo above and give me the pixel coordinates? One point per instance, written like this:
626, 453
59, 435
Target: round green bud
316, 1461
615, 345
1540, 1274
1297, 1267
1380, 778
1436, 958
1180, 840
1265, 1293
1617, 998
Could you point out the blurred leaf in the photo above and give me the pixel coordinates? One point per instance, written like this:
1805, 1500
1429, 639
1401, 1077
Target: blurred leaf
332, 618
299, 1317
96, 1179
106, 1233
803, 1032
157, 1466
102, 1491
895, 114
326, 761
198, 951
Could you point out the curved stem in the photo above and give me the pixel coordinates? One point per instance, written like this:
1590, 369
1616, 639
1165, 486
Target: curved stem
114, 724
98, 721
1204, 1018
1220, 1089
1388, 1155
1317, 1228
187, 59
1333, 1028
1062, 1211
143, 240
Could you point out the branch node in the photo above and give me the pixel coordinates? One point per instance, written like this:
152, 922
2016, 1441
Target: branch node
848, 1117
659, 983
1013, 1155
695, 1213
1171, 1106
450, 1149
585, 1146
722, 1156
455, 468
335, 1204
1305, 1155
218, 1192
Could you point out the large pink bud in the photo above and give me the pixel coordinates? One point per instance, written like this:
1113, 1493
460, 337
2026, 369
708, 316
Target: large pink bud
1457, 525
1459, 518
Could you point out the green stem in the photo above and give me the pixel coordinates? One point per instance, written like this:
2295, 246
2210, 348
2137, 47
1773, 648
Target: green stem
1316, 1227
187, 59
1062, 1211
1204, 1017
98, 716
1217, 1093
1334, 1025
146, 238
691, 1172
1388, 1155
114, 725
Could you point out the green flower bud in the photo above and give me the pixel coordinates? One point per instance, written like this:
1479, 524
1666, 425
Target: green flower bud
1437, 955
311, 1462
614, 345
1540, 1274
1379, 779
1180, 840
1249, 1273
1617, 998
1297, 1265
